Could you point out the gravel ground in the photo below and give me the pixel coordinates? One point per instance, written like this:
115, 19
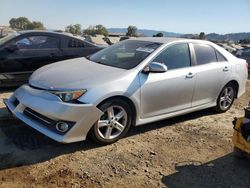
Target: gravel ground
194, 150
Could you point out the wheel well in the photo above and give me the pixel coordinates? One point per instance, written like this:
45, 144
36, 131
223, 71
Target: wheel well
235, 83
126, 99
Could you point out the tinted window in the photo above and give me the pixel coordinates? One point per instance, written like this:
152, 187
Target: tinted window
8, 37
176, 56
220, 57
204, 54
35, 42
73, 43
126, 54
246, 53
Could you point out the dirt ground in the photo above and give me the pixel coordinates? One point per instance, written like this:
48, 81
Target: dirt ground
193, 150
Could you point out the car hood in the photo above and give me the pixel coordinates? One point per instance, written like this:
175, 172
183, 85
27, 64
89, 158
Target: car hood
74, 74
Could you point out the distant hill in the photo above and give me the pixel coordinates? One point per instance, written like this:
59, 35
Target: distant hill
217, 37
226, 37
210, 36
145, 32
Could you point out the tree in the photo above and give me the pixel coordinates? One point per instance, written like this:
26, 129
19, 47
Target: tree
74, 29
20, 23
245, 41
23, 23
90, 30
101, 30
96, 30
36, 25
158, 35
132, 31
202, 36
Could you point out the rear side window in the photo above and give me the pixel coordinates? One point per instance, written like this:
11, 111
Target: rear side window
73, 43
220, 57
175, 56
204, 54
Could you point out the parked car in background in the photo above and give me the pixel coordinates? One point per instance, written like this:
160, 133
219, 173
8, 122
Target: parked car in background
23, 52
244, 54
97, 39
133, 82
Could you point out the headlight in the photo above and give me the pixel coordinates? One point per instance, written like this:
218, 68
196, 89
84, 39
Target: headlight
67, 96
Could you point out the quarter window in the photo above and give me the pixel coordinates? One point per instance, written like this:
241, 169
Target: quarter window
220, 57
204, 54
175, 56
75, 43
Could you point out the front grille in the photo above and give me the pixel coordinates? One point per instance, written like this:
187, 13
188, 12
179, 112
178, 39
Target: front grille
39, 117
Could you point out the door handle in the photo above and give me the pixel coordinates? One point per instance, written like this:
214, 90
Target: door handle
190, 75
226, 69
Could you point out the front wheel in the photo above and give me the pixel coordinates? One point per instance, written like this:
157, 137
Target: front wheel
226, 98
113, 124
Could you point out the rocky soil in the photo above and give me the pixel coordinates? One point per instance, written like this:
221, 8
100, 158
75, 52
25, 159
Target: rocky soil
194, 150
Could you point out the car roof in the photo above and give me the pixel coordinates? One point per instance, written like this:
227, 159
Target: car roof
166, 40
49, 32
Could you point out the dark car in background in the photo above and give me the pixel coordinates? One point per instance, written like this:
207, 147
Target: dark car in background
23, 52
244, 54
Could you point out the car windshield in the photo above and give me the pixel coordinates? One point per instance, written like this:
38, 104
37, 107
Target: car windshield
126, 54
8, 37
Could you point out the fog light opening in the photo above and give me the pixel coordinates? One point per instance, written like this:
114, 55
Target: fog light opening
62, 127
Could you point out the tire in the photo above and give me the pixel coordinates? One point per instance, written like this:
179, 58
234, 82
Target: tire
226, 98
239, 154
113, 124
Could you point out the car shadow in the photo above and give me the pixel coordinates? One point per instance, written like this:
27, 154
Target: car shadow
8, 89
170, 121
226, 171
21, 145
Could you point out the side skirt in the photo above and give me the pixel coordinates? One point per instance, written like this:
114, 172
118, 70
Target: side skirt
173, 114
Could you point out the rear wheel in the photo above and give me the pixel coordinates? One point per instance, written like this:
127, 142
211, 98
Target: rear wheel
113, 124
226, 98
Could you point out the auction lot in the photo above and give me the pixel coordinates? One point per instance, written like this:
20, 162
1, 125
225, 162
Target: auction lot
194, 150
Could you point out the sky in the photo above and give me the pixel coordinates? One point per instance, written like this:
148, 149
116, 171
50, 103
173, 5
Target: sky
180, 16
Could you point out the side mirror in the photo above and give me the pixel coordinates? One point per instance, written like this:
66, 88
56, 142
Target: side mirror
155, 67
12, 48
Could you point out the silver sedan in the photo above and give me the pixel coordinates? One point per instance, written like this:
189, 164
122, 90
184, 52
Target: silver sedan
133, 82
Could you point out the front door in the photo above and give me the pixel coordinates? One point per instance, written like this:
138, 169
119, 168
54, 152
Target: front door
163, 93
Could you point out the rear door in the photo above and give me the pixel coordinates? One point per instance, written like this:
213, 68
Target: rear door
212, 70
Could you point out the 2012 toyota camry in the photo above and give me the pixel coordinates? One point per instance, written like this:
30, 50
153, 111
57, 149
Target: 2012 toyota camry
133, 82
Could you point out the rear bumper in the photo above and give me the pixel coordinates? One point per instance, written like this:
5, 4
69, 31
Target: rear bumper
46, 109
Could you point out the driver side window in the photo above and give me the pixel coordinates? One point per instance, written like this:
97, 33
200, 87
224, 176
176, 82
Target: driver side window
37, 42
175, 56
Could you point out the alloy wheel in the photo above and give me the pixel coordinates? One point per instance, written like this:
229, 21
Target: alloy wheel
112, 123
226, 98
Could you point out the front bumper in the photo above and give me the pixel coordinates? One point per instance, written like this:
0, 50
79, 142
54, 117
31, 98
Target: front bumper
47, 109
